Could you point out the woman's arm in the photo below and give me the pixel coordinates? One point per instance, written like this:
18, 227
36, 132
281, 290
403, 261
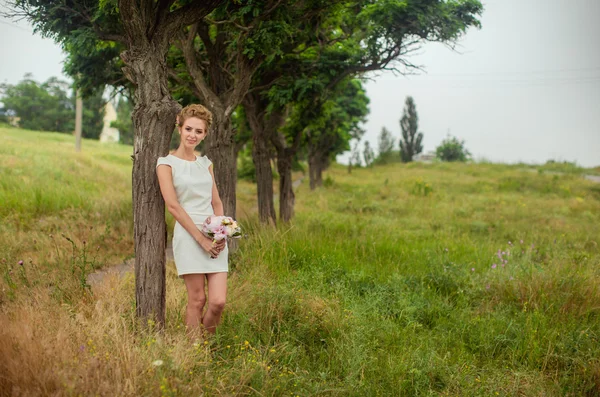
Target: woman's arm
217, 204
165, 180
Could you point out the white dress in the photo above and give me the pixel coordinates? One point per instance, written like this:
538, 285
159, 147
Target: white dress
193, 186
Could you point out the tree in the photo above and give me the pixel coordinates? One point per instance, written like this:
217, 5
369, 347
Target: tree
216, 60
386, 146
411, 142
339, 122
452, 149
278, 84
368, 154
263, 126
49, 107
354, 160
144, 30
348, 41
40, 107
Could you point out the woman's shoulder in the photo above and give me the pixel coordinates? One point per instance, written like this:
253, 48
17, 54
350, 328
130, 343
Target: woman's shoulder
205, 161
166, 160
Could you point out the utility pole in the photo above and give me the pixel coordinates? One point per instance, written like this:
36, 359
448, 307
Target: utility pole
78, 117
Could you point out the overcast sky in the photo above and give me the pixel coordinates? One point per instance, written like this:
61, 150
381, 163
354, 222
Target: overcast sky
526, 87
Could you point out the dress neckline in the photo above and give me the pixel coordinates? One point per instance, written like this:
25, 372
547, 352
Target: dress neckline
188, 161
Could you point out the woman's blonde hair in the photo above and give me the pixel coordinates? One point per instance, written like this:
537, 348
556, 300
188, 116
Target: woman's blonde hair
197, 111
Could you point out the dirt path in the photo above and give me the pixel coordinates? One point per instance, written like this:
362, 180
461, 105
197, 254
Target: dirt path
121, 269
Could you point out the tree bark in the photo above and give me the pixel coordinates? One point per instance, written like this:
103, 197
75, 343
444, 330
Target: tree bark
220, 149
285, 156
287, 198
264, 179
153, 118
263, 127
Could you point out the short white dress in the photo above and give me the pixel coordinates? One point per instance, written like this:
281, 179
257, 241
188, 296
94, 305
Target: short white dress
193, 186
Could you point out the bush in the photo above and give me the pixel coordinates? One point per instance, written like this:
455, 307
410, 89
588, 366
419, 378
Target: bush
451, 149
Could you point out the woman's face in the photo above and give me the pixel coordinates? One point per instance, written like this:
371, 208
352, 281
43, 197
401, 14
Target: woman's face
192, 132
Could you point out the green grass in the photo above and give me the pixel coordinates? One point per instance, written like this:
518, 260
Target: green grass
47, 190
409, 280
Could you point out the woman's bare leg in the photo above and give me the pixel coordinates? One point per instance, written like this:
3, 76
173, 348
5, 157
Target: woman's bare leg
194, 283
217, 292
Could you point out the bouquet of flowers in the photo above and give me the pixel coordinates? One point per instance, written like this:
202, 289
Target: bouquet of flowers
221, 227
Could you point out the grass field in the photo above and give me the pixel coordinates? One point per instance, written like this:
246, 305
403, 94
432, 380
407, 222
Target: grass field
400, 280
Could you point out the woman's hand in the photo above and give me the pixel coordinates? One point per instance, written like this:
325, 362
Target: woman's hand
213, 248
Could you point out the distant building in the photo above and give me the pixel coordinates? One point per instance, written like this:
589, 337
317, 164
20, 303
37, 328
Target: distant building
109, 134
424, 157
14, 121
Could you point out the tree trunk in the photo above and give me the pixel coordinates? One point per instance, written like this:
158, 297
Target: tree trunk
321, 164
148, 28
262, 129
264, 178
317, 162
220, 149
286, 192
312, 170
153, 118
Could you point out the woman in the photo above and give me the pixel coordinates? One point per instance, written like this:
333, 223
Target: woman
191, 195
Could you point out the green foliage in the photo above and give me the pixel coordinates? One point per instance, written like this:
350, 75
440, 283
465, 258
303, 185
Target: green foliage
49, 107
246, 169
452, 149
563, 166
421, 188
338, 122
40, 107
412, 140
386, 146
93, 115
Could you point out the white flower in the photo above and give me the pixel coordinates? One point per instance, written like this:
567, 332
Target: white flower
157, 363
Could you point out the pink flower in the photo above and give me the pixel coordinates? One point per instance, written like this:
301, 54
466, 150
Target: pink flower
494, 266
220, 236
472, 269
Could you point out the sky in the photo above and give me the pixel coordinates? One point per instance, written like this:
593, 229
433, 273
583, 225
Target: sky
523, 88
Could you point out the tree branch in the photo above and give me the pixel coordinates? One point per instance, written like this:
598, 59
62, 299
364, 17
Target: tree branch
174, 76
187, 47
190, 13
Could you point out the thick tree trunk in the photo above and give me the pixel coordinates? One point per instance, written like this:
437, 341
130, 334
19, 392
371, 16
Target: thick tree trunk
153, 118
220, 149
286, 192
